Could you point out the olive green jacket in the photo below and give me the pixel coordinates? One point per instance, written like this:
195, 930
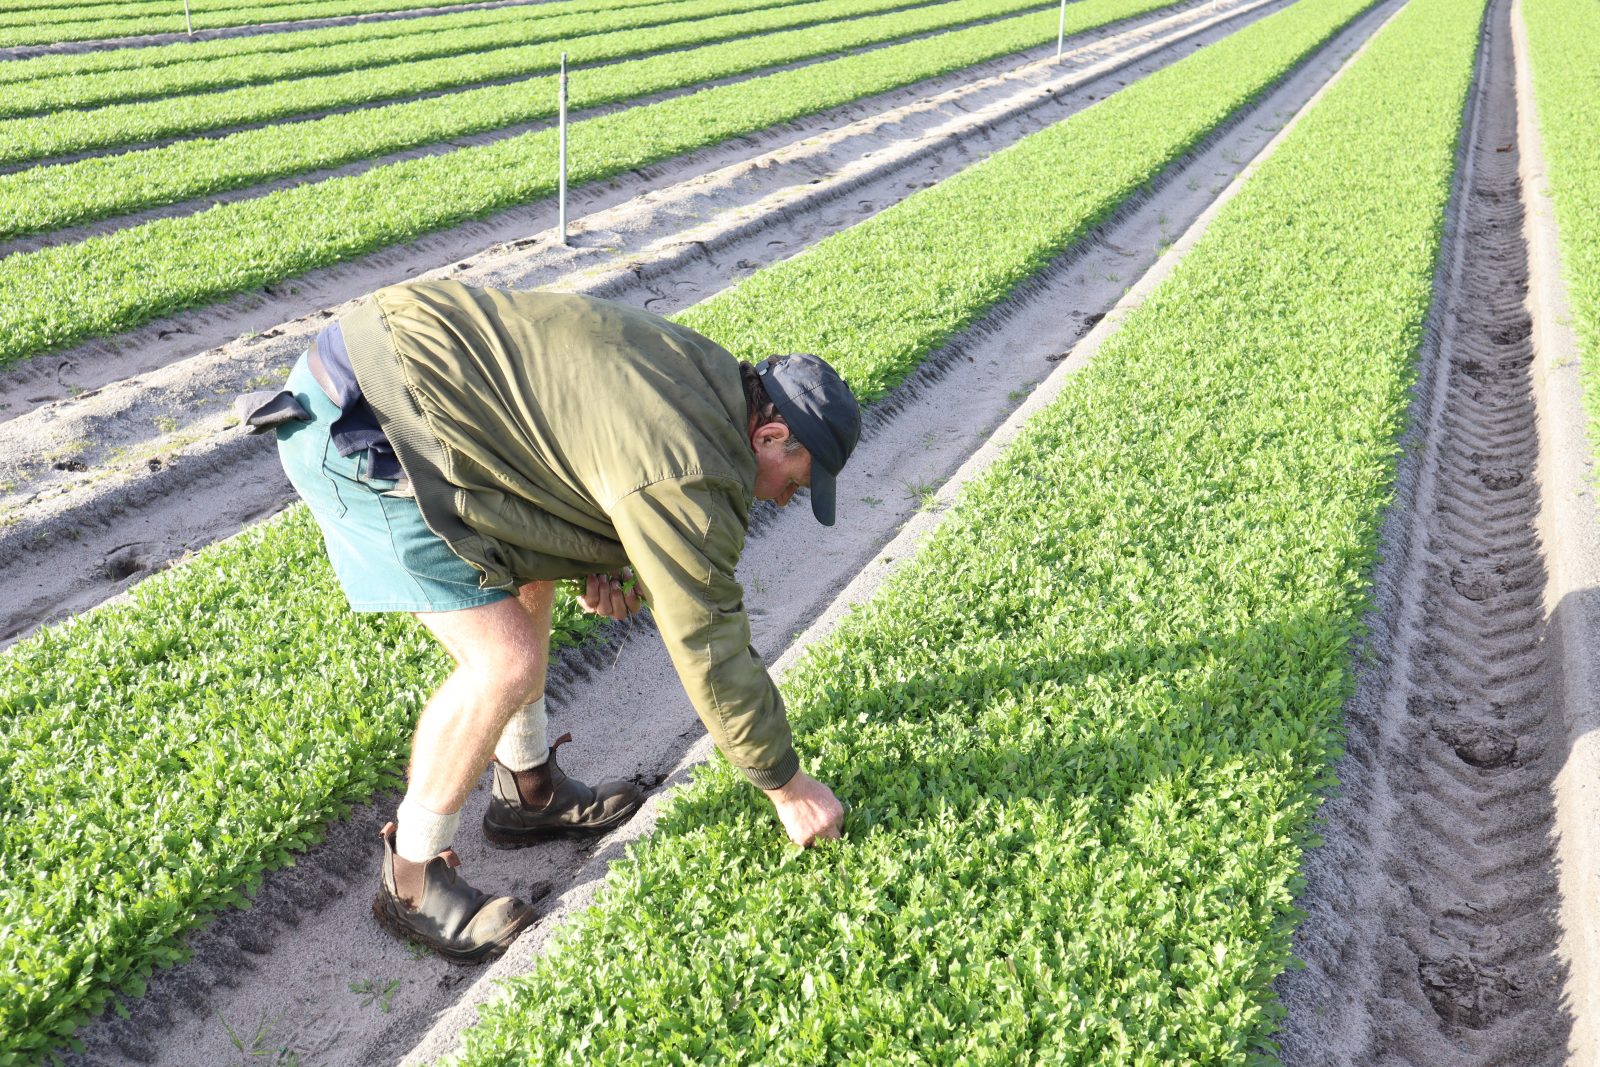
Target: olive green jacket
552, 436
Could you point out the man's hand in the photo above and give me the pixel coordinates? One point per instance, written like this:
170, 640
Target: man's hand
808, 809
604, 594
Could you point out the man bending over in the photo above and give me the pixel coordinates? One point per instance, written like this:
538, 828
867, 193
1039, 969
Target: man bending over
462, 450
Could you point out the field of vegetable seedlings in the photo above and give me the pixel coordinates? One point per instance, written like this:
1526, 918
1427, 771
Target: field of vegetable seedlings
54, 23
1082, 755
67, 293
1238, 68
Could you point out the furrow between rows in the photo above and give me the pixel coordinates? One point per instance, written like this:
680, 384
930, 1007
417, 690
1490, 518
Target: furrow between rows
1448, 922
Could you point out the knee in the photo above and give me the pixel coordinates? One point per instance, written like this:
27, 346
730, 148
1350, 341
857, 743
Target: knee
509, 673
525, 675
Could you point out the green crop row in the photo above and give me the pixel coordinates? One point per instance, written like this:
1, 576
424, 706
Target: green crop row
1084, 732
69, 64
876, 298
41, 136
46, 198
57, 26
119, 280
1564, 38
289, 679
21, 11
512, 26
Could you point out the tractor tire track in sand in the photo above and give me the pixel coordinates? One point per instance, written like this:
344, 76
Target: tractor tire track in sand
1433, 928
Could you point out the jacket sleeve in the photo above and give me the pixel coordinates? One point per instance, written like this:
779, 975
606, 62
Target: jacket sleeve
683, 537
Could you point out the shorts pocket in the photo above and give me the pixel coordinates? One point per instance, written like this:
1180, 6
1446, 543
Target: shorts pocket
336, 479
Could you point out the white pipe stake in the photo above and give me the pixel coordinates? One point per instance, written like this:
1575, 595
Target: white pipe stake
561, 197
1061, 31
186, 21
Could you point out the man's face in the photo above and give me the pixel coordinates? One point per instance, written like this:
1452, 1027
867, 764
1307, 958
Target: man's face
779, 472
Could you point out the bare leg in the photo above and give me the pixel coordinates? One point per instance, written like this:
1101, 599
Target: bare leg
501, 652
538, 600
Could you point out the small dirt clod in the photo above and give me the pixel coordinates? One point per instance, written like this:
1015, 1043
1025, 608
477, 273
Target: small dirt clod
1481, 745
1500, 478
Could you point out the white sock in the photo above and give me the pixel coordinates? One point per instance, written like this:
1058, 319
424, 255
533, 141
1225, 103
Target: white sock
421, 834
522, 743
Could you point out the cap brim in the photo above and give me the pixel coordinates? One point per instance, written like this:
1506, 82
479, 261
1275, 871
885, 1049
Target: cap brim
824, 492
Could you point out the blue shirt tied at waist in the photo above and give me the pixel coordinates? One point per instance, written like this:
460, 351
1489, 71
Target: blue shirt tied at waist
356, 429
357, 426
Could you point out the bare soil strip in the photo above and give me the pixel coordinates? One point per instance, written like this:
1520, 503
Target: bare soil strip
1433, 927
1569, 525
126, 477
28, 51
281, 975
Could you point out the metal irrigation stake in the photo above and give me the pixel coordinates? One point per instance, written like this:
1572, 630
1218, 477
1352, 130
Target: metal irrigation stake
1061, 31
189, 25
561, 196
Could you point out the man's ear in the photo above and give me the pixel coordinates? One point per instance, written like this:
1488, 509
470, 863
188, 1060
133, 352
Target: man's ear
772, 432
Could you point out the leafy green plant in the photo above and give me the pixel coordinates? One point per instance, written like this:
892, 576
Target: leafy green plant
134, 60
1083, 734
56, 23
258, 1042
376, 992
1564, 39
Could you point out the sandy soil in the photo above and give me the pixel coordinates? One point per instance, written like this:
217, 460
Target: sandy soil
128, 475
1569, 523
1435, 928
253, 970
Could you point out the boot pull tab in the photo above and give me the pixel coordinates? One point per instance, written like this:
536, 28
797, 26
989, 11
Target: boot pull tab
450, 858
388, 830
558, 742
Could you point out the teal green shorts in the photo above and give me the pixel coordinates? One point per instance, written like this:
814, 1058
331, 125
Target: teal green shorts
384, 555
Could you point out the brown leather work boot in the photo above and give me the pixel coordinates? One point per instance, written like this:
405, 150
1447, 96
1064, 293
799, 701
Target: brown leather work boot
430, 904
541, 802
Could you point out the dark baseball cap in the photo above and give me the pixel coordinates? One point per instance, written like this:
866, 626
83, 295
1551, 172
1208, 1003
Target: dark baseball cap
822, 413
